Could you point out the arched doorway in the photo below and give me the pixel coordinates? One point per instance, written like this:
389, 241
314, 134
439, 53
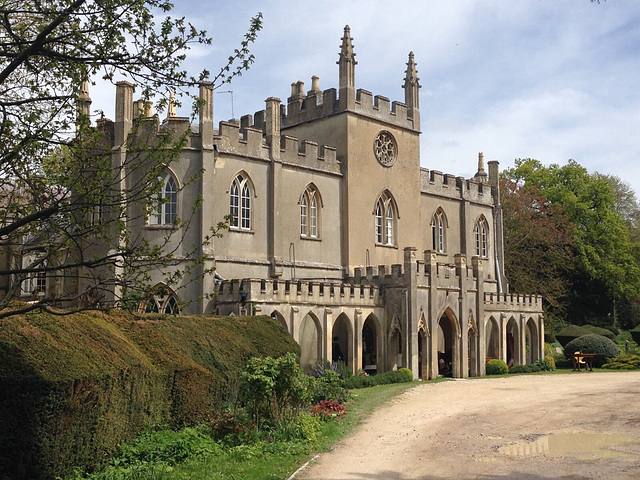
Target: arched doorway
310, 342
532, 343
448, 354
513, 343
276, 315
342, 341
371, 351
492, 339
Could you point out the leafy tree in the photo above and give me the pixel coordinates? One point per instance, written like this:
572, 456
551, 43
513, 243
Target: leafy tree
62, 216
538, 247
604, 266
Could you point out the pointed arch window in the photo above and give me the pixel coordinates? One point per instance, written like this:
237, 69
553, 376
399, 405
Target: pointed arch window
438, 231
309, 213
240, 203
385, 217
163, 300
481, 235
164, 210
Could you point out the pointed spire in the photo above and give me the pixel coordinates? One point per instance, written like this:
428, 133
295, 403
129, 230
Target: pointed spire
347, 63
481, 174
412, 91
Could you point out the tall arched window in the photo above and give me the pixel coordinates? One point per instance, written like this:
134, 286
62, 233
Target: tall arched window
309, 212
481, 235
385, 214
164, 210
438, 228
240, 203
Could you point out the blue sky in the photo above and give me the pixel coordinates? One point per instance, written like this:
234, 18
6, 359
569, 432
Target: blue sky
545, 79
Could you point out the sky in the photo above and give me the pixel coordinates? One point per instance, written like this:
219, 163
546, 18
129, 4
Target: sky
547, 79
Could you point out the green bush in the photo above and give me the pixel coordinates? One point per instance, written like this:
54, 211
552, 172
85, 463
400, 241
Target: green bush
274, 389
623, 362
329, 386
551, 361
497, 367
605, 332
602, 346
569, 333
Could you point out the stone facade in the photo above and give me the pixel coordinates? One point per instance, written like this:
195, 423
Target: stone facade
322, 188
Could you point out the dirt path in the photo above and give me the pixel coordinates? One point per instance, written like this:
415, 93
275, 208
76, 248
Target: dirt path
502, 428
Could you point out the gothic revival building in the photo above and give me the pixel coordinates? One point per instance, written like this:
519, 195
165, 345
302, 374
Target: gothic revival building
338, 233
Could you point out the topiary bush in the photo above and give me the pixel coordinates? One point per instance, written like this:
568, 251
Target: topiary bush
602, 346
497, 367
599, 331
570, 333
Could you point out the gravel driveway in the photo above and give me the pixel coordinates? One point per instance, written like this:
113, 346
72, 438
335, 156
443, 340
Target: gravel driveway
580, 425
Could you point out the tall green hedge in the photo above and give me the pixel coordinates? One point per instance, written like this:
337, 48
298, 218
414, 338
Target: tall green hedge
73, 387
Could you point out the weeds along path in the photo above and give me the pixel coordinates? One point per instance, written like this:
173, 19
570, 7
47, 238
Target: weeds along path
574, 425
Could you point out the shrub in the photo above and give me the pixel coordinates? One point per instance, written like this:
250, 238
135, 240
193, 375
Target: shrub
551, 361
329, 386
549, 337
497, 367
569, 333
273, 388
327, 409
602, 346
598, 331
623, 362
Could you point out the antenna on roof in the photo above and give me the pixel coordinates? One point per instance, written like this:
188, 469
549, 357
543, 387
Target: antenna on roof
233, 116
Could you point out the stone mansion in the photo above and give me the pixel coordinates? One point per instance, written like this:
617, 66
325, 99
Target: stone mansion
339, 234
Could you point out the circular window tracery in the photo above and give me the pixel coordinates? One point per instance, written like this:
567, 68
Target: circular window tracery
385, 149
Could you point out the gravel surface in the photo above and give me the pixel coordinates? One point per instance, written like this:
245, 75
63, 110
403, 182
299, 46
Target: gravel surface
581, 425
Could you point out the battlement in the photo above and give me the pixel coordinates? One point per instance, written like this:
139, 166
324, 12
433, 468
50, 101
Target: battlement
433, 182
312, 292
512, 301
316, 104
381, 108
248, 138
309, 154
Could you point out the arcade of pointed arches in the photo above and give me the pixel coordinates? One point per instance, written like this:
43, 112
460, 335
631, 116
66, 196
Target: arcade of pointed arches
363, 341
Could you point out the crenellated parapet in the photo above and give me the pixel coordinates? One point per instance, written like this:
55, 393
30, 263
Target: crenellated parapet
317, 104
248, 138
309, 154
247, 141
326, 292
512, 302
433, 182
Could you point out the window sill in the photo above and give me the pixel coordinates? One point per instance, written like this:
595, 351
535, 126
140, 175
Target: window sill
313, 239
240, 230
386, 245
160, 227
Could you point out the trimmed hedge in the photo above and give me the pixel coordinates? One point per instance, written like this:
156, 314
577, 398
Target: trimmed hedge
74, 387
602, 346
395, 376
